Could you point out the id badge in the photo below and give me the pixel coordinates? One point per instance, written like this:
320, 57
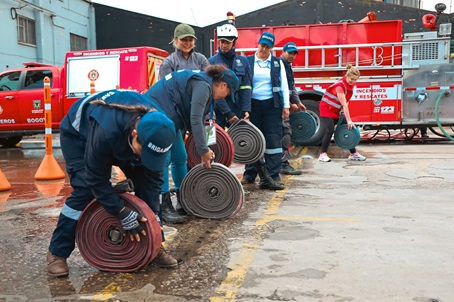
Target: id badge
210, 135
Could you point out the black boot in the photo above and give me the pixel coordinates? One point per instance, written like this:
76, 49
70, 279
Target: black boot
266, 182
179, 208
168, 212
289, 170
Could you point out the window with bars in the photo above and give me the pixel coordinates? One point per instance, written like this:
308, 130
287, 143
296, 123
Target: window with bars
78, 42
26, 32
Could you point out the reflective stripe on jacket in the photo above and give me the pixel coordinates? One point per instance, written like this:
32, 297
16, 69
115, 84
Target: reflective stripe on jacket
330, 105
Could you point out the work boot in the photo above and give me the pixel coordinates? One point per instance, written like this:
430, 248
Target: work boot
169, 214
164, 260
56, 266
266, 182
178, 207
289, 170
245, 180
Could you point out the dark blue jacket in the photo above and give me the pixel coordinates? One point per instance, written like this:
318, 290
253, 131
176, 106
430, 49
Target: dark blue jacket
240, 66
275, 79
105, 132
185, 97
294, 99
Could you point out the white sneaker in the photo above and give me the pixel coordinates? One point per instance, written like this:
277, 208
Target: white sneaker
324, 158
356, 156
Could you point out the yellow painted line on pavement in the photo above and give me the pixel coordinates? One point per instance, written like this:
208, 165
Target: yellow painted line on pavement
112, 288
240, 264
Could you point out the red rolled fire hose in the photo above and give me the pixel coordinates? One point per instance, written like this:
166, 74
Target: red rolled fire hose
223, 149
101, 242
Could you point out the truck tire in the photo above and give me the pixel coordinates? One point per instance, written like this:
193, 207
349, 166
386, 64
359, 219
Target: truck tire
11, 141
312, 108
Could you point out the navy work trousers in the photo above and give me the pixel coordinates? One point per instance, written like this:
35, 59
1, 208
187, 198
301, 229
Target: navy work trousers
63, 239
265, 116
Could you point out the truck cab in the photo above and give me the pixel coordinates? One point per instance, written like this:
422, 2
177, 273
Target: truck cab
22, 109
22, 100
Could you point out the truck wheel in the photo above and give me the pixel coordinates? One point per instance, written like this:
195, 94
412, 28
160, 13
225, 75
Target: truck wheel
11, 141
313, 109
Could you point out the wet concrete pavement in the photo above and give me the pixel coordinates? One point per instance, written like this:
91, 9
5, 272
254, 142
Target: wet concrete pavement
379, 230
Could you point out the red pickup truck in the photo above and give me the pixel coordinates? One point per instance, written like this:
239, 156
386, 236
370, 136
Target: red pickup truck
22, 93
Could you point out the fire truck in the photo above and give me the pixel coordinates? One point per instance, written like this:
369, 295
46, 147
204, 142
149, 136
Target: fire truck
22, 94
406, 79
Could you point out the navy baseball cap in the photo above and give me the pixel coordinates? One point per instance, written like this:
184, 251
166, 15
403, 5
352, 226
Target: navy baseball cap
156, 133
290, 47
267, 38
232, 81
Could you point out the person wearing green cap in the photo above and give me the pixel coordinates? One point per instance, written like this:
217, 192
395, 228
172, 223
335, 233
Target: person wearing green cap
186, 58
114, 127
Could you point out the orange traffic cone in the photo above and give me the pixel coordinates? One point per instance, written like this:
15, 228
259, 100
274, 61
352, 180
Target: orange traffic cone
4, 183
49, 168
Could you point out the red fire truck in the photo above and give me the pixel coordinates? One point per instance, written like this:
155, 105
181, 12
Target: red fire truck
22, 94
404, 77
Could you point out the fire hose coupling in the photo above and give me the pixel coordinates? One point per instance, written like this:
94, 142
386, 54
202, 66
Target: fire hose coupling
115, 236
447, 93
124, 186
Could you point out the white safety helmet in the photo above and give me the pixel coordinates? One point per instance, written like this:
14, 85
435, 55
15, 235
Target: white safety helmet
227, 32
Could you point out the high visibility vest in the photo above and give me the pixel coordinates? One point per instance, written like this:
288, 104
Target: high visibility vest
330, 105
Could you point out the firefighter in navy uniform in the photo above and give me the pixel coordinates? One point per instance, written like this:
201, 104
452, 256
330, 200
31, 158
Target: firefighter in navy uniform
228, 111
269, 106
186, 97
121, 128
289, 54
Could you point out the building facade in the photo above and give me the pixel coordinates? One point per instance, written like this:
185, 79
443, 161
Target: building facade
44, 30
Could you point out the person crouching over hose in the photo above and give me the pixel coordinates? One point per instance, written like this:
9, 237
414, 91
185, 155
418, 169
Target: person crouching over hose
187, 97
115, 127
334, 100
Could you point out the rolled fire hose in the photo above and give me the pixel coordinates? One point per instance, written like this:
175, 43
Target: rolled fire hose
303, 127
248, 142
346, 138
223, 149
213, 193
101, 242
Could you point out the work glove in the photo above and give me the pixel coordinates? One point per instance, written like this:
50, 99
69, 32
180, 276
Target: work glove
130, 222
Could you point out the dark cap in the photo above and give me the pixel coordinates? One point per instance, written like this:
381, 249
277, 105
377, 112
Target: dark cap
182, 31
290, 47
156, 133
267, 38
232, 81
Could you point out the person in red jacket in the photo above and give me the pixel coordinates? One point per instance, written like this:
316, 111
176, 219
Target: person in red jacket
334, 100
